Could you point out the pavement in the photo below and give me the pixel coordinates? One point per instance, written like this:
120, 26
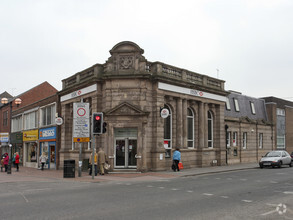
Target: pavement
33, 174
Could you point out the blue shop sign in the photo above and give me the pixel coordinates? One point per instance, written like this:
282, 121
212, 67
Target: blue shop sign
47, 133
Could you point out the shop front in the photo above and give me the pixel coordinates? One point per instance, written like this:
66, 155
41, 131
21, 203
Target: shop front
47, 139
30, 140
17, 145
4, 140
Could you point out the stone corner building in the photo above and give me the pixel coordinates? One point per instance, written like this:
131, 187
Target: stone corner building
131, 92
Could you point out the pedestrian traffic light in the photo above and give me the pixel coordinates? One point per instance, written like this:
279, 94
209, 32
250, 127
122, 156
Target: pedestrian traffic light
97, 122
104, 127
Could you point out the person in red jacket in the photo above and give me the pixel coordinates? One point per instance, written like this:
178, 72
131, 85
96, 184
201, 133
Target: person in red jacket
6, 160
17, 161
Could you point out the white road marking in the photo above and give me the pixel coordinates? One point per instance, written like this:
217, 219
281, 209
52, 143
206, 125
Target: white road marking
28, 190
190, 191
208, 194
243, 179
161, 187
267, 213
23, 196
218, 178
149, 186
128, 184
244, 200
273, 182
174, 189
287, 192
225, 197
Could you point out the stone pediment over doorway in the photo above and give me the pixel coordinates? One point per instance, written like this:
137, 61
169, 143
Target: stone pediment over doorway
126, 109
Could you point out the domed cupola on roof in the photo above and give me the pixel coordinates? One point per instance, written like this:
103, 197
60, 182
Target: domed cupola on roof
126, 57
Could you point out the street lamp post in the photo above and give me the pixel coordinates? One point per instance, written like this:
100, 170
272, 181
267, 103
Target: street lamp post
9, 162
5, 101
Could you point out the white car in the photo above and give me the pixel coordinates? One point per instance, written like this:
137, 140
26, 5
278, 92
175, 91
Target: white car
275, 158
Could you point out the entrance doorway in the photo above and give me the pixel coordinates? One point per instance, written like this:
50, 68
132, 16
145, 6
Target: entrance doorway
125, 148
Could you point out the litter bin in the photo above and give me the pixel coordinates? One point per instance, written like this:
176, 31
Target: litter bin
69, 169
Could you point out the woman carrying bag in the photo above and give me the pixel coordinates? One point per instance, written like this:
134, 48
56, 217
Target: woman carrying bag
176, 159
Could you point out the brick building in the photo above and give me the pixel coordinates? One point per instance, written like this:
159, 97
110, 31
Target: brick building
131, 92
29, 118
5, 115
280, 112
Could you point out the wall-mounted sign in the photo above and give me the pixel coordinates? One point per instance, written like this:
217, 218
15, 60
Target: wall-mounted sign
164, 112
78, 93
81, 122
32, 135
47, 133
193, 92
4, 137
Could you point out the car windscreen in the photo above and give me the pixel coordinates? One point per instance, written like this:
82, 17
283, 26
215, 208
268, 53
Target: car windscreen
273, 154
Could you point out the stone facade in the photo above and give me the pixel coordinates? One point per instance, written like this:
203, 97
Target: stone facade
131, 91
250, 133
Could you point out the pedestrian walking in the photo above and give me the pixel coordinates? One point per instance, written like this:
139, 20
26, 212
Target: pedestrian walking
2, 162
102, 159
43, 160
17, 161
95, 164
176, 159
6, 161
13, 159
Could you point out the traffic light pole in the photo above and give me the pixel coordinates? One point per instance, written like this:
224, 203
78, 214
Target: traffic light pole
93, 155
80, 161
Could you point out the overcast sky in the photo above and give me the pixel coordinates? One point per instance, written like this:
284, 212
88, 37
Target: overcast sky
248, 41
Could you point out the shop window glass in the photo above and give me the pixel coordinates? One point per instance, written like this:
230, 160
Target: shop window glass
228, 107
190, 128
252, 108
260, 140
5, 118
234, 139
31, 152
168, 133
236, 104
48, 115
210, 130
30, 120
244, 140
16, 124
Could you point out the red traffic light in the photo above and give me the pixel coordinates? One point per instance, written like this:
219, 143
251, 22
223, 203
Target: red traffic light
98, 117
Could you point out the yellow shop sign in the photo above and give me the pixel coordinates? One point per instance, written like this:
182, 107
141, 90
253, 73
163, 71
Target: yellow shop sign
32, 135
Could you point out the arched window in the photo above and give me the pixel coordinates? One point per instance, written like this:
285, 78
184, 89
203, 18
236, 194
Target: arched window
168, 133
190, 128
210, 130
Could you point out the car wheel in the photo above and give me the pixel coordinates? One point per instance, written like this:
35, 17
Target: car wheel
261, 166
290, 164
280, 164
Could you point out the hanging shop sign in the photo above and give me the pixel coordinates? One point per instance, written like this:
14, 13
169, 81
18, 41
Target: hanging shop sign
164, 113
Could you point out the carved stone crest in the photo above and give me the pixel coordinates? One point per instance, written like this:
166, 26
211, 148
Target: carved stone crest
126, 62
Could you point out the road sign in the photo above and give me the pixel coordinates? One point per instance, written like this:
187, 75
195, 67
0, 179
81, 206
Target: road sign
81, 122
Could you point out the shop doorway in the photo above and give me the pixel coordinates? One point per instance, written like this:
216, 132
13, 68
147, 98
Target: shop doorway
49, 148
125, 150
125, 153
